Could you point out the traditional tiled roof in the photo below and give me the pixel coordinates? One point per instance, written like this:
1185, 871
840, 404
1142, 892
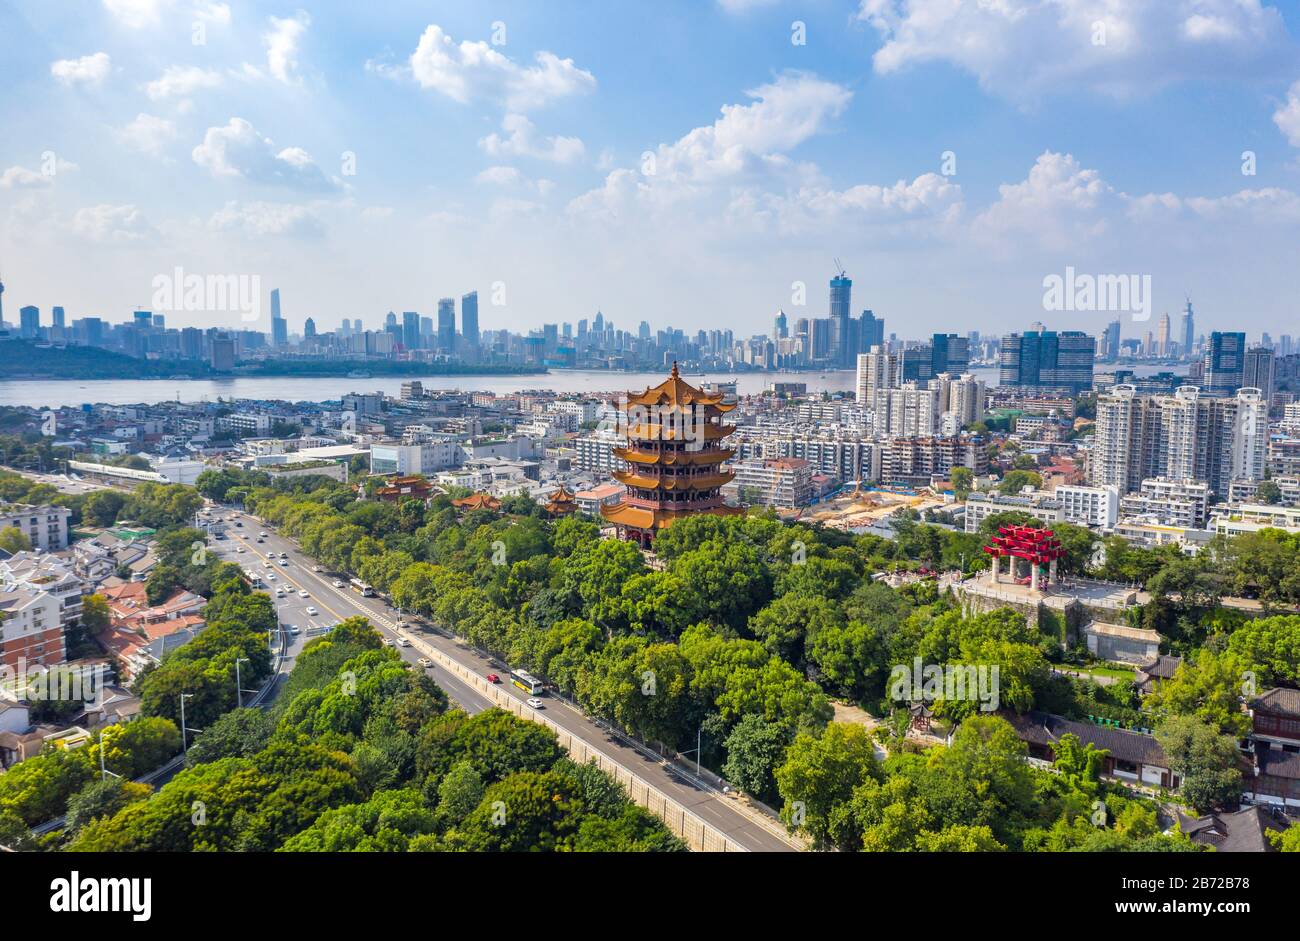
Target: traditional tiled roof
561, 502
1279, 701
1243, 831
477, 501
624, 514
677, 391
1042, 728
1162, 667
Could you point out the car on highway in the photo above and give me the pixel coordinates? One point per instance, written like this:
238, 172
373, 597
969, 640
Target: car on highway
262, 535
302, 593
239, 548
337, 583
239, 524
294, 630
317, 568
388, 642
403, 642
259, 538
270, 576
284, 555
312, 611
425, 662
266, 563
535, 703
284, 562
493, 678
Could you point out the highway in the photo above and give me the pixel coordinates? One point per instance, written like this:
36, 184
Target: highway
329, 603
747, 828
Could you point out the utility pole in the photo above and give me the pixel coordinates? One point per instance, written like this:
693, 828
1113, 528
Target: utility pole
239, 686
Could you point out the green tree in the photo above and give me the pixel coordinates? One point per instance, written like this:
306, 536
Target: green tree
13, 539
754, 750
819, 777
1204, 758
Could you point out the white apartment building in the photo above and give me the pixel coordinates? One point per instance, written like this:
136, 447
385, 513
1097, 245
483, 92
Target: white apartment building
595, 453
1094, 507
31, 629
846, 459
1184, 436
907, 412
1252, 517
38, 571
1171, 502
45, 525
782, 481
1039, 504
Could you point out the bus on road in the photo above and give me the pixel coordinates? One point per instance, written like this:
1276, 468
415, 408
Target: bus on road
526, 681
362, 589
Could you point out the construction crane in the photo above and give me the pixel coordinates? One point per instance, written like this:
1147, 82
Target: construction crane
839, 269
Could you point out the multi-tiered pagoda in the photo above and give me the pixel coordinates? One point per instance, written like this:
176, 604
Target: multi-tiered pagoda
674, 458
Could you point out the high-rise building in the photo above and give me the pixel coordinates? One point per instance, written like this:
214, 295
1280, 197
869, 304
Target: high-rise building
1225, 363
1184, 436
908, 411
447, 325
1187, 331
279, 328
876, 370
780, 328
949, 353
411, 329
959, 401
469, 318
57, 317
871, 331
143, 319
29, 322
1258, 371
841, 299
1110, 341
309, 328
1162, 335
1047, 359
223, 352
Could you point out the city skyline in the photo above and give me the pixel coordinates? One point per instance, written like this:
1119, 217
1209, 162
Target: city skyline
374, 160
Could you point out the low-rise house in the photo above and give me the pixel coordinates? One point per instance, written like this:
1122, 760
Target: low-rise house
1121, 642
1132, 757
1275, 748
39, 571
140, 633
1154, 672
1242, 831
31, 628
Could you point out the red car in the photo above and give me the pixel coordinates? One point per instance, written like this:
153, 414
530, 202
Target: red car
493, 678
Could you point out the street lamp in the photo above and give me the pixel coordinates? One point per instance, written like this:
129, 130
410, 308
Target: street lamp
103, 771
239, 686
185, 747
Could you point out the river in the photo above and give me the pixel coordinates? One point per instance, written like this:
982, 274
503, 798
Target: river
58, 393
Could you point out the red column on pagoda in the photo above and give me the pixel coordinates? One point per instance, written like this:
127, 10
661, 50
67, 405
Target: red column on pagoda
1037, 546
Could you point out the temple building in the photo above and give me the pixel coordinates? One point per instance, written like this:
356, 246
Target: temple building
561, 503
477, 501
674, 458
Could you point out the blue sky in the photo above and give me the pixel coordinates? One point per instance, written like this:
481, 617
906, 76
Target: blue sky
502, 144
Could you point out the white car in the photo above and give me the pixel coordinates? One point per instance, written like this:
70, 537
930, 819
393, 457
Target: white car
312, 612
266, 563
425, 662
302, 593
239, 548
403, 642
536, 703
294, 630
337, 583
387, 642
284, 562
270, 576
263, 535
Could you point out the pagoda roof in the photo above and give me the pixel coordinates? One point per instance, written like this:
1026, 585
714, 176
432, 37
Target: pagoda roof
561, 501
677, 391
636, 517
675, 458
705, 482
477, 501
656, 431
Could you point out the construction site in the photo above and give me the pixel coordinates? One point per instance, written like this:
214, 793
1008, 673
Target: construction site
856, 507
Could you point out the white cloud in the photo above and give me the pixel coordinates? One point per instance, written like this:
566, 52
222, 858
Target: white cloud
931, 200
469, 71
522, 141
148, 134
22, 178
1287, 116
749, 142
87, 70
263, 219
137, 14
216, 13
1059, 202
179, 81
237, 151
1021, 49
108, 223
499, 176
281, 43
